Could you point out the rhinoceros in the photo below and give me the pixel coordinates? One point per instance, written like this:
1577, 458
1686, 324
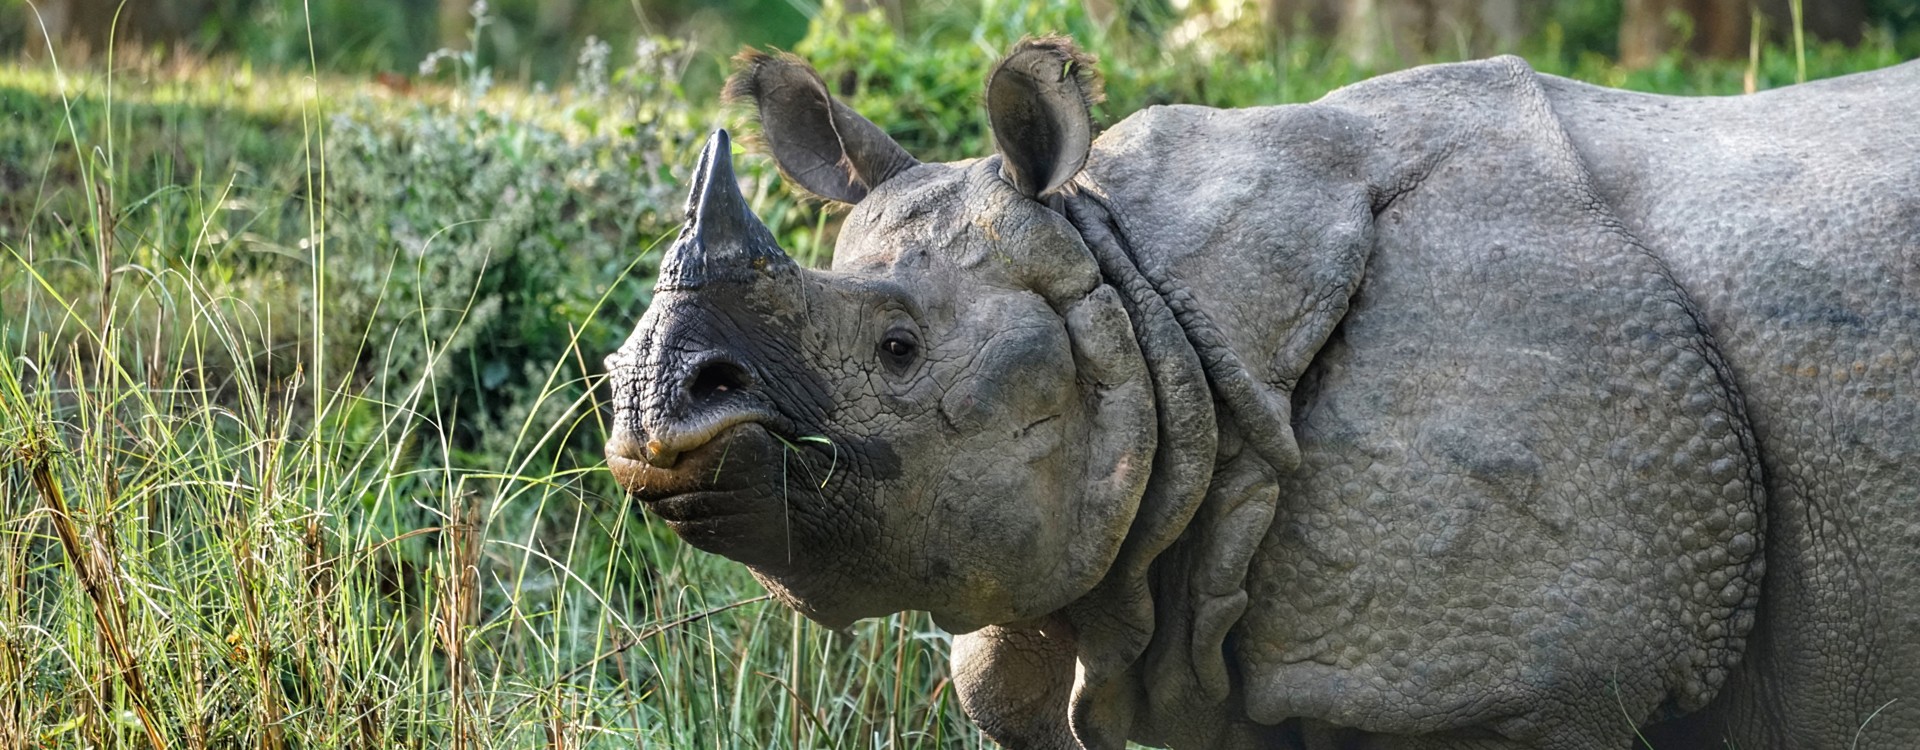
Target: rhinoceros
1466, 407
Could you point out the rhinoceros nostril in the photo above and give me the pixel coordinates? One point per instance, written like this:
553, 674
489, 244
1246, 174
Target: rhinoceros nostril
715, 379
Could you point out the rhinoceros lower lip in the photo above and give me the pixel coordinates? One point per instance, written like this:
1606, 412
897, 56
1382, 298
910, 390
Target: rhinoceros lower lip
737, 524
708, 508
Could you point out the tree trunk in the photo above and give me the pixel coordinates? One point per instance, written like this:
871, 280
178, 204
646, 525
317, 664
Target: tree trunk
1836, 20
89, 26
1407, 32
1721, 27
1648, 29
1318, 18
1645, 33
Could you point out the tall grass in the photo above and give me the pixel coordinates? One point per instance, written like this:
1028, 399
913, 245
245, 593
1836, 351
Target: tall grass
206, 540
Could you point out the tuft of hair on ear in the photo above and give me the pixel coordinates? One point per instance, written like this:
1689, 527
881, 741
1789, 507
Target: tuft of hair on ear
1039, 101
754, 72
819, 143
1080, 65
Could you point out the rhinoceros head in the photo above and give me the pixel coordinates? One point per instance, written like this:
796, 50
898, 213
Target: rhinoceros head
955, 418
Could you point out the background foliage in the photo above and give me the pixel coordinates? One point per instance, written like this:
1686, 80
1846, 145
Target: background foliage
301, 315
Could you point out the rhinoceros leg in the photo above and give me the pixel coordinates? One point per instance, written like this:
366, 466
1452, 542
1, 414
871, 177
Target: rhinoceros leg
1016, 682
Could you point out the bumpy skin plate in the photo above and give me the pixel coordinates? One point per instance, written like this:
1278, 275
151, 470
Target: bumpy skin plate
1793, 216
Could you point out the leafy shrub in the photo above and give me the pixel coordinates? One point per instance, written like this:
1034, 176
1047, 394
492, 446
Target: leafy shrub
469, 240
463, 239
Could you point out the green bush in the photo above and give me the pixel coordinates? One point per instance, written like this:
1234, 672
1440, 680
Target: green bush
465, 239
466, 242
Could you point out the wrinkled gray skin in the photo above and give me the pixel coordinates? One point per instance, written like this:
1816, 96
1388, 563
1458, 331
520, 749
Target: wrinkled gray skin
1464, 408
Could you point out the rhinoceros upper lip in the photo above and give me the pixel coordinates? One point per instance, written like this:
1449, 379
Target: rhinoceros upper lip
665, 446
644, 473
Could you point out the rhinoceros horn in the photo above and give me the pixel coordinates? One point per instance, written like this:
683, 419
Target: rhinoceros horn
723, 240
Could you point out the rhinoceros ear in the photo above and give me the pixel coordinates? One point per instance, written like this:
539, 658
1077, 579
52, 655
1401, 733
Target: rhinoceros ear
820, 144
1039, 100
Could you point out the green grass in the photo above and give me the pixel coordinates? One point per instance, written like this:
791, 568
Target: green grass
299, 421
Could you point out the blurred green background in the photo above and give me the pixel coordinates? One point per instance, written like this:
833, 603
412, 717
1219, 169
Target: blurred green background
532, 41
302, 306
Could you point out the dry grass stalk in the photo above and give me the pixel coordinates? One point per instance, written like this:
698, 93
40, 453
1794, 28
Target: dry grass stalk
13, 725
103, 205
15, 714
322, 646
247, 567
198, 721
560, 731
99, 575
367, 720
459, 607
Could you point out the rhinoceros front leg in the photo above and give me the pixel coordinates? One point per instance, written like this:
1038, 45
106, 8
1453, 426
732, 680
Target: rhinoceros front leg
1016, 682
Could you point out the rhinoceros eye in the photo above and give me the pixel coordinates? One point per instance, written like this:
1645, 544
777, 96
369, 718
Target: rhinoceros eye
897, 350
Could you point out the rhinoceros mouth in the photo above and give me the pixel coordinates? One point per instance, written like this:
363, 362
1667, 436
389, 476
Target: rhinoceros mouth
724, 462
705, 508
738, 524
723, 497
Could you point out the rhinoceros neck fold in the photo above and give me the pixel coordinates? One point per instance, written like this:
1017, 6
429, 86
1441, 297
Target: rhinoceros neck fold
1188, 432
1255, 226
1230, 380
1116, 620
